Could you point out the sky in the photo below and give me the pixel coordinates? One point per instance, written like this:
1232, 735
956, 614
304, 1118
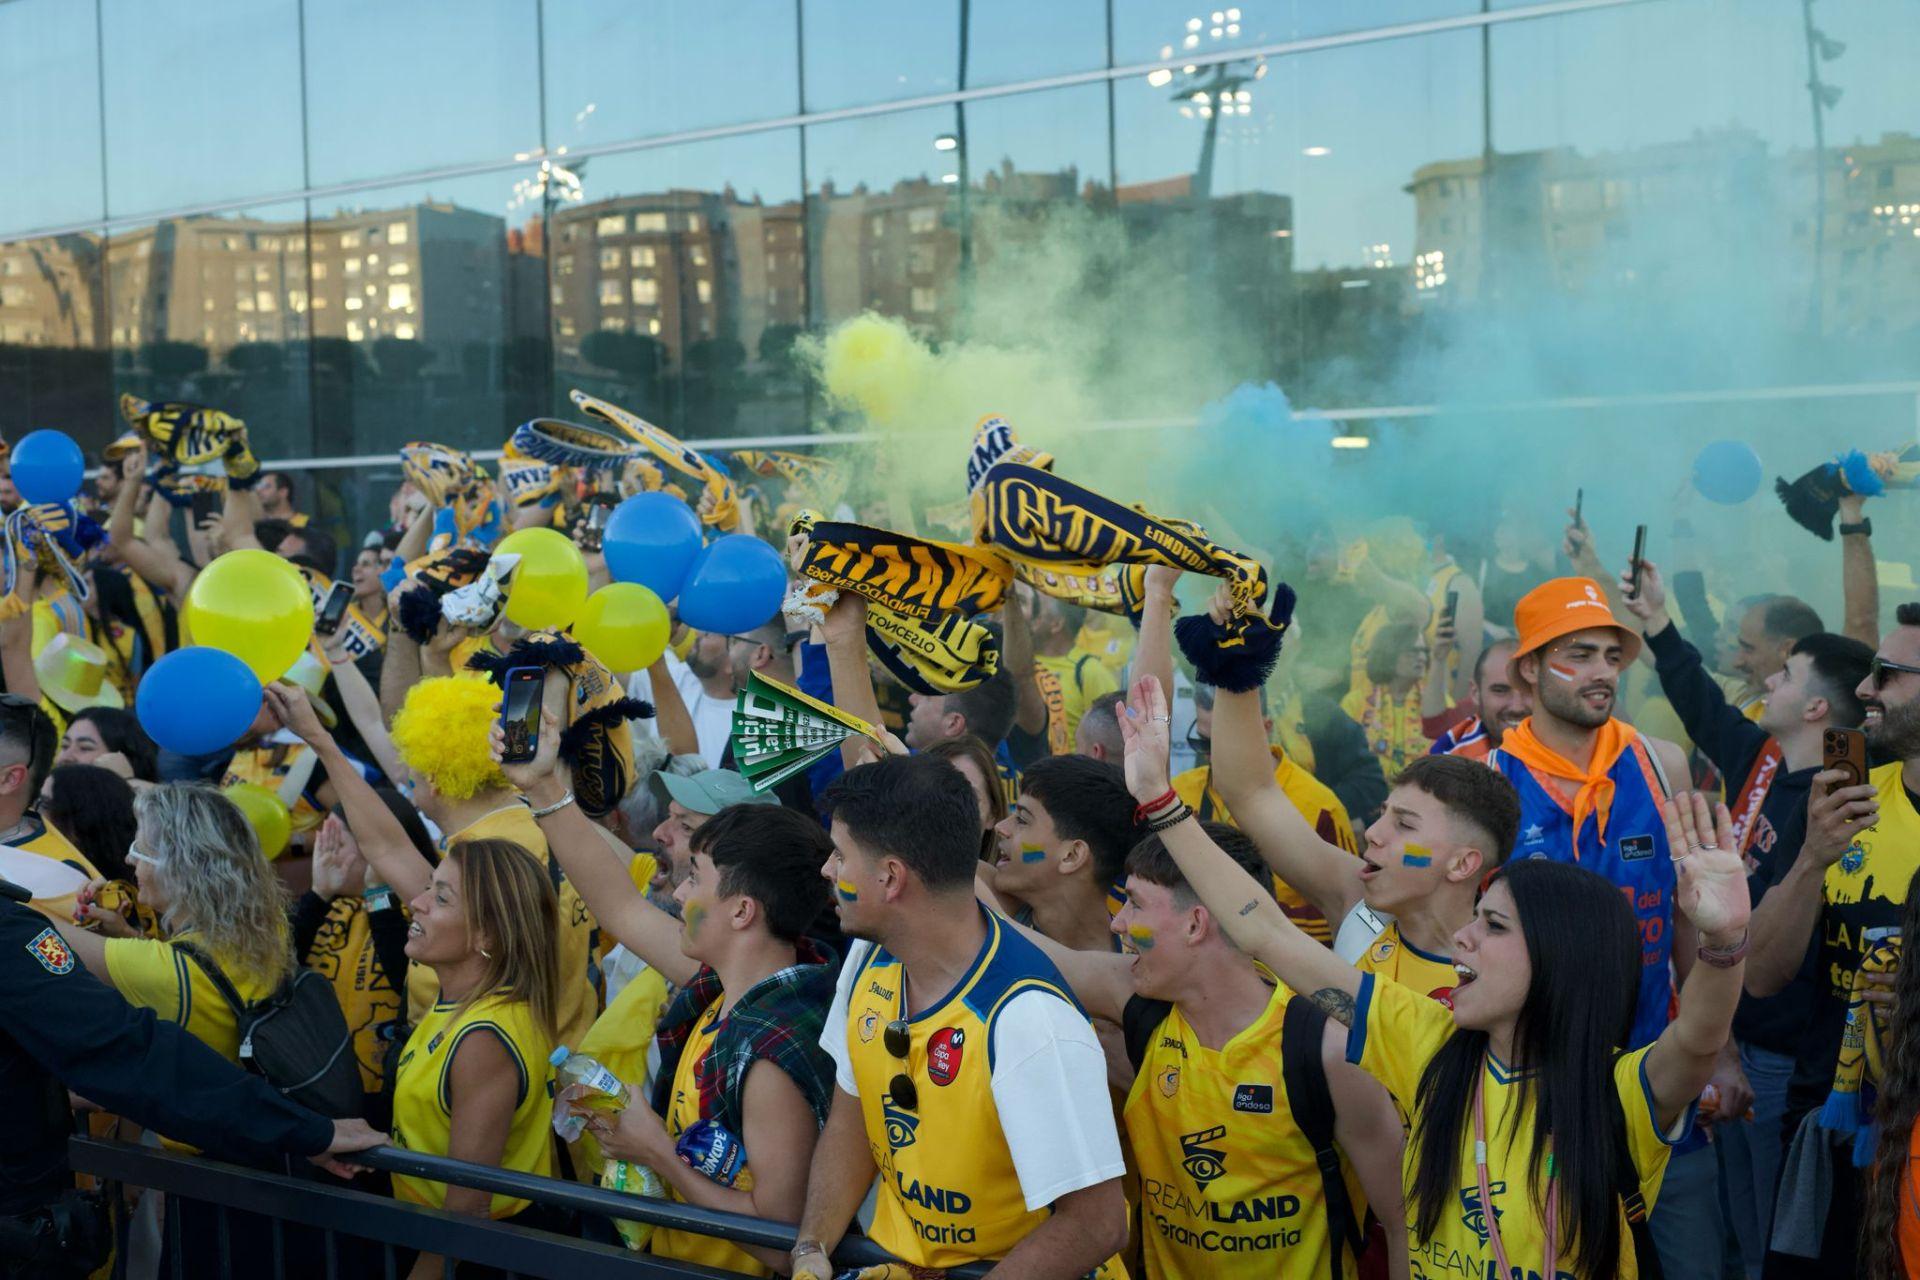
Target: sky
202, 97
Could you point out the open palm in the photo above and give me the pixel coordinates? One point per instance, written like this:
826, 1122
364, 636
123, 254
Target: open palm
1712, 877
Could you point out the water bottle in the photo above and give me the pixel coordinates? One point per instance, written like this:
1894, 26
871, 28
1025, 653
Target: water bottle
605, 1092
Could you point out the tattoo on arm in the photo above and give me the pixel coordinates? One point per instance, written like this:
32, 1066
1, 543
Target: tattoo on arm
1337, 1004
1250, 908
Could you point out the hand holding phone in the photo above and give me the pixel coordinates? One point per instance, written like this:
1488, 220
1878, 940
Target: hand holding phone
333, 610
520, 713
1579, 507
1639, 553
1845, 750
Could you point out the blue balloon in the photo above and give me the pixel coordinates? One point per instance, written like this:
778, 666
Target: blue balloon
48, 466
737, 584
197, 700
651, 539
1727, 472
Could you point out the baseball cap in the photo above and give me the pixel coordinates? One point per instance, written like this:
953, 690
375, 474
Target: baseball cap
708, 792
1562, 606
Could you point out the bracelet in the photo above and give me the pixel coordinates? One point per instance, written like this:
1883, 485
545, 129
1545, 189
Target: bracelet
1727, 958
1145, 811
1171, 818
801, 1248
555, 807
1865, 527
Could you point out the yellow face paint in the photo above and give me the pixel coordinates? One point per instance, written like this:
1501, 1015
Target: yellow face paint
692, 915
846, 891
1415, 855
1032, 853
1140, 936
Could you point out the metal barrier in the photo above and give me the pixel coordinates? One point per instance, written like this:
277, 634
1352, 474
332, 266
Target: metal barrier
394, 1228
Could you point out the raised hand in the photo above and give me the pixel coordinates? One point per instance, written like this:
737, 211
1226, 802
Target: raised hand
291, 708
1145, 729
1836, 814
1712, 888
338, 867
1651, 600
529, 775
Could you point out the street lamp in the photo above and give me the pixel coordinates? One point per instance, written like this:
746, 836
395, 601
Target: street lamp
1821, 47
1211, 93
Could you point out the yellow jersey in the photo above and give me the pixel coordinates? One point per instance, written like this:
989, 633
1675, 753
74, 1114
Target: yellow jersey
1316, 803
1069, 684
1865, 892
156, 975
949, 1191
423, 1093
1363, 637
683, 1112
1230, 1189
343, 954
579, 969
1394, 728
1394, 958
1396, 1032
34, 836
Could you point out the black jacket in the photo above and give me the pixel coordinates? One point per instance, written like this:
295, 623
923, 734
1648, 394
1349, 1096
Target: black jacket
61, 1028
1757, 780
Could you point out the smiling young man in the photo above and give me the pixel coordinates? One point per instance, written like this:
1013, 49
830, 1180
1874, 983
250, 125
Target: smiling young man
1240, 1089
1063, 848
968, 1078
1499, 704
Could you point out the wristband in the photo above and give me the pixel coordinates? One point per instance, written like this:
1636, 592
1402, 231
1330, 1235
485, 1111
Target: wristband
1725, 959
801, 1248
1865, 527
555, 807
1170, 818
1145, 811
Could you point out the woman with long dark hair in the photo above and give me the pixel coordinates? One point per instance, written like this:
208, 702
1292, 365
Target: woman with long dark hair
101, 732
1890, 1219
1538, 1145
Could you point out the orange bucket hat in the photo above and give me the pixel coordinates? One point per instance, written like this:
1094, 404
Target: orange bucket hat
1560, 607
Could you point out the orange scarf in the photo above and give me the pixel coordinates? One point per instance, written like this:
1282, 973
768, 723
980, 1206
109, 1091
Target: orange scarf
1595, 796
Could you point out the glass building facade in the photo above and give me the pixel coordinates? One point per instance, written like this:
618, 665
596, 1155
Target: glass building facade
362, 222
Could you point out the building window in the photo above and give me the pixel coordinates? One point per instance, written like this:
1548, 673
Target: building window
645, 291
703, 289
397, 233
564, 265
610, 293
922, 219
653, 326
399, 297
641, 255
924, 299
612, 225
349, 239
649, 222
351, 266
319, 271
697, 255
265, 301
566, 326
355, 302
559, 296
610, 258
399, 268
355, 333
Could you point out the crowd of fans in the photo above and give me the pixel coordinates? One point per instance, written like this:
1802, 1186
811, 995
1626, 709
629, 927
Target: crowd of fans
1518, 918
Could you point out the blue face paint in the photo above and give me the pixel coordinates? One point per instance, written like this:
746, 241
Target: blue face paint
846, 891
1416, 856
1032, 853
1140, 936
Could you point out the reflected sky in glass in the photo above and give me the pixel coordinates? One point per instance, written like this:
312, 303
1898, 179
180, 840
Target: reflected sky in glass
50, 106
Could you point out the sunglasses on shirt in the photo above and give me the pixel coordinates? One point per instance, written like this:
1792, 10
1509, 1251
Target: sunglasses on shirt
899, 1042
1883, 670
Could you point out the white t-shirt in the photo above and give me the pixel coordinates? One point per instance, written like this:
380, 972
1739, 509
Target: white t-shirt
1049, 1083
1358, 928
712, 717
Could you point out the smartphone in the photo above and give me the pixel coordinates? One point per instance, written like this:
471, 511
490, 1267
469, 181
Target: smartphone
520, 713
1639, 550
1452, 610
333, 610
597, 517
1579, 507
1845, 750
204, 505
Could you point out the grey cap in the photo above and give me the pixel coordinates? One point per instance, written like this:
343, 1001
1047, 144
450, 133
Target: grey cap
708, 792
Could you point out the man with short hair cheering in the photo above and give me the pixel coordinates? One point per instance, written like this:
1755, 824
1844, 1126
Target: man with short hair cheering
968, 1077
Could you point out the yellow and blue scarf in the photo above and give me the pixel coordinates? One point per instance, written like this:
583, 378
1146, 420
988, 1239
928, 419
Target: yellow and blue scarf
722, 509
1856, 1075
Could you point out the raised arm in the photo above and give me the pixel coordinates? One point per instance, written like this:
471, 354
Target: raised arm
238, 514
1153, 651
400, 666
1016, 653
1712, 894
1322, 873
363, 709
162, 567
846, 632
604, 885
1469, 633
1101, 980
1859, 575
383, 842
1244, 908
670, 714
16, 638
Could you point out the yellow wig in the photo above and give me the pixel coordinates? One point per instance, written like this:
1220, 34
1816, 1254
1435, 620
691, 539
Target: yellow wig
441, 733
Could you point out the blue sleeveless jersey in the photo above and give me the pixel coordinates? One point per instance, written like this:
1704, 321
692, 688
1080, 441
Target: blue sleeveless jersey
1633, 856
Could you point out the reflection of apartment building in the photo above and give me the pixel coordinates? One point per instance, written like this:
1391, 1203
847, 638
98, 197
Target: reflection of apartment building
431, 272
657, 265
50, 291
1716, 209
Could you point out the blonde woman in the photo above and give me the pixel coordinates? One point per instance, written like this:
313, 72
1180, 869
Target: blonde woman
197, 865
472, 1081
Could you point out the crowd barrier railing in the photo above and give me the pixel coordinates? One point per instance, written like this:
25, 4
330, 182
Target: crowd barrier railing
330, 1214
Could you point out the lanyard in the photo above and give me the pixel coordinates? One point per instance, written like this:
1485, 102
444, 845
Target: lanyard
1486, 1191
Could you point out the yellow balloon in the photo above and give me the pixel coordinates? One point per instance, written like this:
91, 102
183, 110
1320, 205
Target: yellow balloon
254, 605
550, 586
266, 813
624, 625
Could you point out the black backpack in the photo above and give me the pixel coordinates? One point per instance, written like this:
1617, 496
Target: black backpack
1308, 1099
297, 1038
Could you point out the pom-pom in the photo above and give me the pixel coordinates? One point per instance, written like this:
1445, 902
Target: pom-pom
1238, 662
419, 610
610, 716
547, 650
1813, 500
1856, 469
442, 732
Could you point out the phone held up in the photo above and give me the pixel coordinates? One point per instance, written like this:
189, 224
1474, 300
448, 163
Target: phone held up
333, 610
1845, 750
520, 713
1639, 553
